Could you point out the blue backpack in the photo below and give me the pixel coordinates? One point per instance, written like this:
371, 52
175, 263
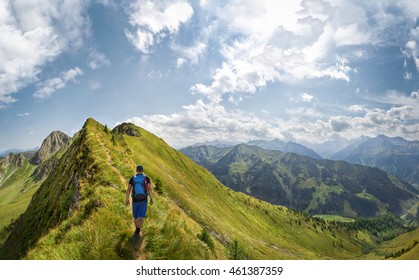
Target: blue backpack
139, 190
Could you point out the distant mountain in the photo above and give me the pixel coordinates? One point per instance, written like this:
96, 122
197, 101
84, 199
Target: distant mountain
25, 152
217, 144
329, 148
396, 156
206, 155
310, 185
50, 145
290, 147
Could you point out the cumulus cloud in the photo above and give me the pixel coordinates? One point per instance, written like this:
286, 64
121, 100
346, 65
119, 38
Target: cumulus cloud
203, 121
48, 87
255, 43
154, 20
33, 33
206, 121
273, 42
269, 41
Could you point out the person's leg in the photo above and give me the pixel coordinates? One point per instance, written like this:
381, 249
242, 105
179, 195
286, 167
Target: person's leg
138, 222
139, 212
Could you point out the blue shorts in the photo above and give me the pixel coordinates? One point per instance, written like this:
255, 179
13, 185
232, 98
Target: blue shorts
139, 209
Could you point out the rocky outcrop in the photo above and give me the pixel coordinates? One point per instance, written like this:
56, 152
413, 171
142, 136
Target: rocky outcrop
50, 145
128, 129
11, 159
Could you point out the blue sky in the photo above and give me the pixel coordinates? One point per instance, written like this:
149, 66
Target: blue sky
194, 71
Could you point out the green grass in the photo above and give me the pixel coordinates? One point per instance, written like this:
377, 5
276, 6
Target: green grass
403, 247
16, 190
79, 211
336, 218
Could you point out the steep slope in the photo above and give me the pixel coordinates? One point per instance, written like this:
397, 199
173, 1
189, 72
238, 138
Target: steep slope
16, 187
313, 186
79, 211
20, 175
403, 247
396, 156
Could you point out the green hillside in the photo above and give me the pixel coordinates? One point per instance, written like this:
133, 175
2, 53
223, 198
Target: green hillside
396, 156
16, 190
20, 177
310, 185
79, 211
403, 247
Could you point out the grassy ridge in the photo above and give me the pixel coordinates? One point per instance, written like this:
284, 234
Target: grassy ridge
403, 247
79, 211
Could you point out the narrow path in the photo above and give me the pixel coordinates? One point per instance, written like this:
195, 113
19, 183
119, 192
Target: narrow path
109, 160
141, 251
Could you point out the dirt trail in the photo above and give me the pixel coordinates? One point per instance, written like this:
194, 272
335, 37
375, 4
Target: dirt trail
109, 160
141, 244
141, 250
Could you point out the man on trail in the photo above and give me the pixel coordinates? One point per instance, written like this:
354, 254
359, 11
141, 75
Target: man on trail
140, 187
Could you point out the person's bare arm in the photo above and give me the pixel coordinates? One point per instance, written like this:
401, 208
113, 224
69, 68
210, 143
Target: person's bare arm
127, 194
150, 193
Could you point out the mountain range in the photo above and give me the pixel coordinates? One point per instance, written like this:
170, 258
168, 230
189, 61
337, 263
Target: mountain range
306, 184
76, 210
396, 156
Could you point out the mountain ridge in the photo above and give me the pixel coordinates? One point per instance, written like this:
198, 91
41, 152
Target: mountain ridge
83, 198
394, 155
307, 184
78, 212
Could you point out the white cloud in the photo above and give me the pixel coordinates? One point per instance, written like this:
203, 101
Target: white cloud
307, 97
23, 114
412, 51
357, 108
193, 53
33, 33
272, 42
48, 87
180, 62
260, 42
269, 41
154, 20
202, 121
97, 60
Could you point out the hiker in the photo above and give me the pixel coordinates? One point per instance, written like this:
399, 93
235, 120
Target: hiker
140, 187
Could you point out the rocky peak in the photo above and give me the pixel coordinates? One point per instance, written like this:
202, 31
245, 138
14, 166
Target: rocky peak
128, 129
13, 160
50, 145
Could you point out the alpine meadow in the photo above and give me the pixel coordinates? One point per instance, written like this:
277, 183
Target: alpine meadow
260, 130
70, 205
